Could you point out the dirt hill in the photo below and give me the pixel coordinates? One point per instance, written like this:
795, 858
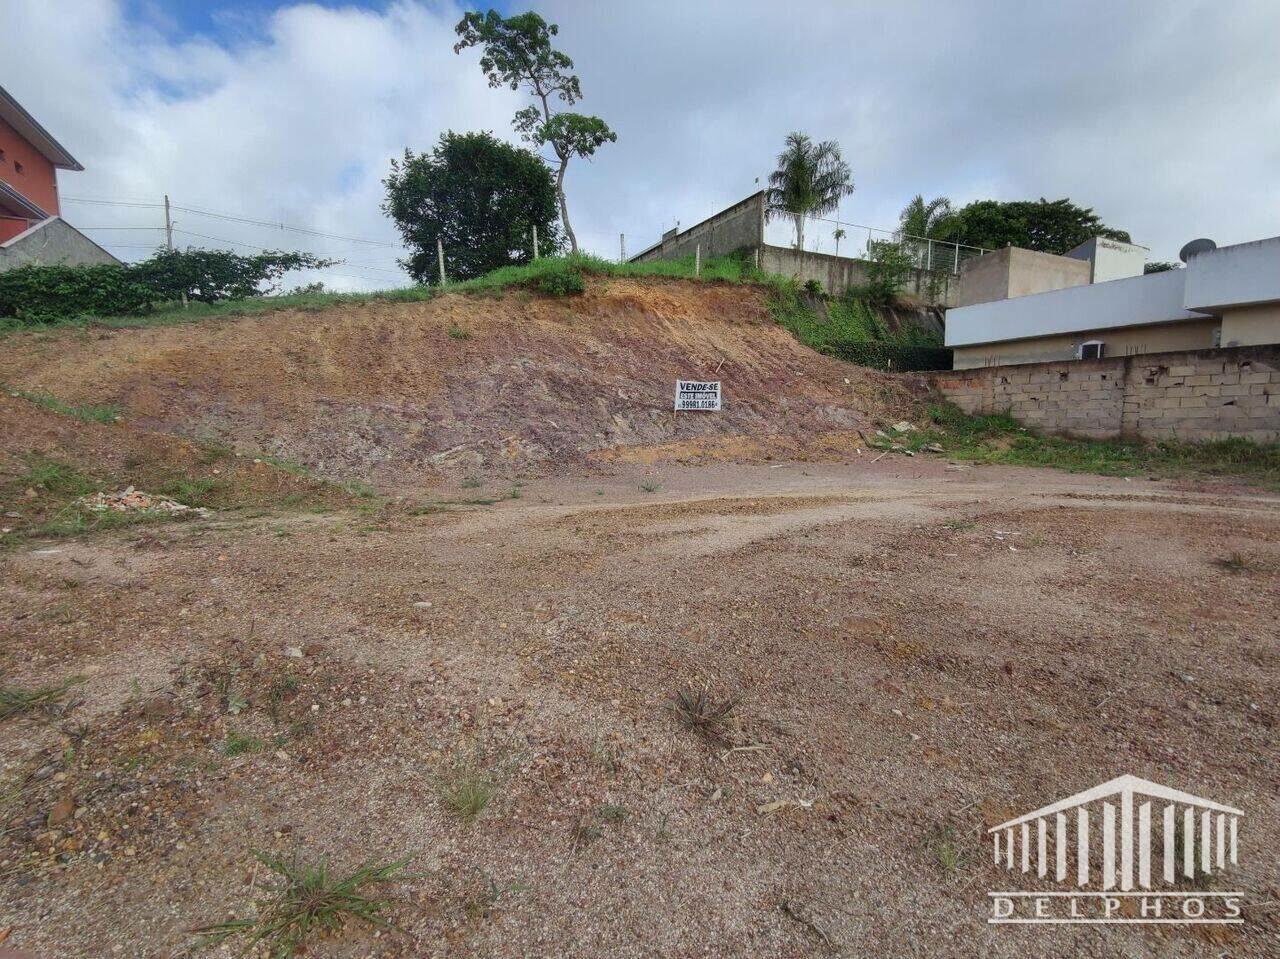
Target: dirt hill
390, 391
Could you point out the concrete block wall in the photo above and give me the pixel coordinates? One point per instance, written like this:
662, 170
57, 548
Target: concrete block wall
1193, 395
739, 227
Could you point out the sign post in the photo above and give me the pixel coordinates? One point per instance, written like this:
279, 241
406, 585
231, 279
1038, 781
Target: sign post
697, 395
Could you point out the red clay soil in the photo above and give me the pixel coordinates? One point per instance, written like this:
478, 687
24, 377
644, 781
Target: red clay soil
385, 392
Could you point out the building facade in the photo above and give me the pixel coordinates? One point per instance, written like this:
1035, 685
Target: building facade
1018, 307
32, 230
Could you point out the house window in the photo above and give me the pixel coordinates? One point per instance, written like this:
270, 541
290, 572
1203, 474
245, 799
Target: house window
1089, 350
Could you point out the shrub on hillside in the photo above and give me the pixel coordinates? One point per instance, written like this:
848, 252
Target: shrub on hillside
44, 294
566, 282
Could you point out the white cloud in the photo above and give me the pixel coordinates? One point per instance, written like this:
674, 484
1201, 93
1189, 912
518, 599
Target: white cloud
1166, 119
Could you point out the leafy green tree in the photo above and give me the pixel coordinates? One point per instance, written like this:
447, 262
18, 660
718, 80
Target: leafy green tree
839, 235
932, 220
1050, 226
811, 179
517, 53
1160, 266
481, 197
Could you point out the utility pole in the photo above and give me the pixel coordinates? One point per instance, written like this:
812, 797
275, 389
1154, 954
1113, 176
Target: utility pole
440, 259
535, 241
168, 225
622, 248
697, 261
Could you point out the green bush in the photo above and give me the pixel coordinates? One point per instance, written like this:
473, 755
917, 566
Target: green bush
44, 294
41, 294
566, 282
887, 272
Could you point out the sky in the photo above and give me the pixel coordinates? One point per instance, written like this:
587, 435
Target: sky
1163, 117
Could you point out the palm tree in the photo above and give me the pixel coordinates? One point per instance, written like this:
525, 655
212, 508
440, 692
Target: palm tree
810, 180
934, 220
839, 235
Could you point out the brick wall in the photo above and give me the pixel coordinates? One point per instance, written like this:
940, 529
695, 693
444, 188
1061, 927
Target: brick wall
1194, 395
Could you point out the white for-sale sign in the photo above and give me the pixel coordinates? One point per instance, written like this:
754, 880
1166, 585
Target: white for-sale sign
697, 395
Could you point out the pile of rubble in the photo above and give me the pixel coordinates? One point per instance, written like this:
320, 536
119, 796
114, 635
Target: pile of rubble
132, 500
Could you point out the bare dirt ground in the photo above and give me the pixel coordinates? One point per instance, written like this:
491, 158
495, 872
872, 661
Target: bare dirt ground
921, 652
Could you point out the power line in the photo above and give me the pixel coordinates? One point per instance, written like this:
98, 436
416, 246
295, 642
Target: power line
213, 214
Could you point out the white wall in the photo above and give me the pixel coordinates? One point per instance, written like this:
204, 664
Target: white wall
1237, 275
1155, 298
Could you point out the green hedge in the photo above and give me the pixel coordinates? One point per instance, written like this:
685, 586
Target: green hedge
891, 357
44, 294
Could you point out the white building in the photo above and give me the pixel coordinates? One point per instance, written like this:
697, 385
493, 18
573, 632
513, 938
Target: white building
1019, 306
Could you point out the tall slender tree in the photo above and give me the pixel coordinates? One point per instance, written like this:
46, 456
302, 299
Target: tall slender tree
811, 180
516, 52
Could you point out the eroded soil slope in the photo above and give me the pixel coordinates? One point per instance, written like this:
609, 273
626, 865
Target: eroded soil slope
389, 391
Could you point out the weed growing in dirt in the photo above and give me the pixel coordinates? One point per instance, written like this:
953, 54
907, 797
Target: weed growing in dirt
470, 482
280, 463
52, 476
308, 899
88, 412
1235, 563
650, 486
997, 438
361, 489
701, 711
192, 492
458, 333
49, 700
238, 744
467, 787
944, 844
480, 905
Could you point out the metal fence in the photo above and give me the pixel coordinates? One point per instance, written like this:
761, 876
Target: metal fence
842, 238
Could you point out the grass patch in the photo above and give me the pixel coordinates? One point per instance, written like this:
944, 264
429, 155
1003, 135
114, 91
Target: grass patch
650, 486
471, 781
361, 490
191, 492
87, 412
239, 744
1235, 563
308, 899
49, 700
945, 848
999, 439
458, 333
701, 711
53, 476
531, 276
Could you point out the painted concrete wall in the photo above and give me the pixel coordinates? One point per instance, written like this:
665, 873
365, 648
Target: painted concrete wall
37, 180
1016, 272
838, 273
1199, 334
51, 242
1251, 325
1192, 395
1238, 275
1110, 259
739, 227
1139, 301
